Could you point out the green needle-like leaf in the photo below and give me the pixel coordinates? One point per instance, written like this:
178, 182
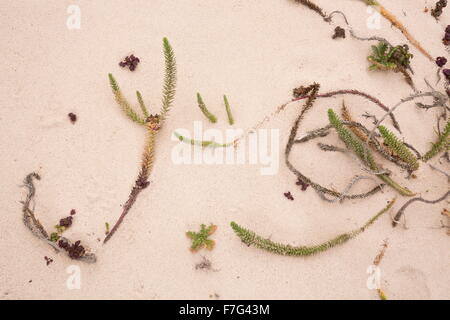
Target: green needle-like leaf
205, 110
227, 107
399, 148
169, 80
443, 144
356, 145
123, 103
142, 104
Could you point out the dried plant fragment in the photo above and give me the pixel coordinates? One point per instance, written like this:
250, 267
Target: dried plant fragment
131, 62
48, 260
205, 265
339, 33
381, 294
389, 16
386, 57
251, 238
441, 61
302, 185
311, 93
400, 212
288, 196
377, 262
380, 254
32, 223
437, 10
313, 7
73, 117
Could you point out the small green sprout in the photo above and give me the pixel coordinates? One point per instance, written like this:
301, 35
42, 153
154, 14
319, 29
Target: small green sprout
54, 236
200, 239
60, 229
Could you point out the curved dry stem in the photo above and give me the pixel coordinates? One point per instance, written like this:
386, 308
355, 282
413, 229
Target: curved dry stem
400, 213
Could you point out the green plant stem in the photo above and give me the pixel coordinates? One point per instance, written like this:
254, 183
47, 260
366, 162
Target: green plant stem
142, 104
170, 80
354, 143
441, 145
153, 125
398, 148
251, 238
123, 103
203, 143
212, 118
227, 107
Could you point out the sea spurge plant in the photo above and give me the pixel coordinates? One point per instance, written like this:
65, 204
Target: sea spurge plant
200, 239
442, 144
152, 123
359, 148
250, 238
396, 23
386, 57
399, 148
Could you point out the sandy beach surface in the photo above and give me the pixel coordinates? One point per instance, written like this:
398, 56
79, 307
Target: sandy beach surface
255, 52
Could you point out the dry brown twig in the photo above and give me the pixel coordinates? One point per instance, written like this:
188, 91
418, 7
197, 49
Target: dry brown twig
73, 249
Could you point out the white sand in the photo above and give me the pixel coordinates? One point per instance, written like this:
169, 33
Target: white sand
255, 52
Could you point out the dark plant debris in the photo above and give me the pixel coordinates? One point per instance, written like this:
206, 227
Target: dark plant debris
446, 39
75, 250
72, 117
66, 222
289, 196
313, 7
48, 260
302, 184
339, 33
400, 212
205, 264
446, 73
130, 61
437, 11
441, 61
